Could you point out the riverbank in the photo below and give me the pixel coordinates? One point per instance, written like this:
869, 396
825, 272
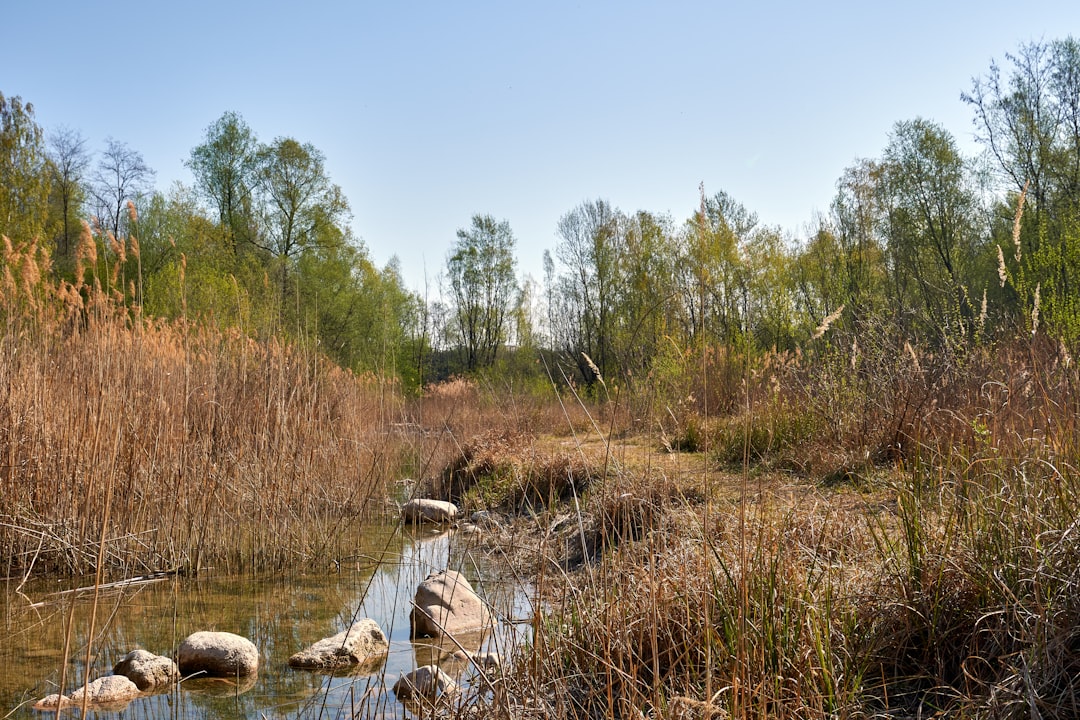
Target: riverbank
675, 586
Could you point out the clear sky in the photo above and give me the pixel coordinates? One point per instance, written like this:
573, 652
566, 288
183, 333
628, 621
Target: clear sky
431, 112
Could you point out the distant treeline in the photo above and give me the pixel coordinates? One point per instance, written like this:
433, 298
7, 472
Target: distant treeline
944, 250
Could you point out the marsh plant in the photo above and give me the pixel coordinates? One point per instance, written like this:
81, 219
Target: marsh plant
170, 445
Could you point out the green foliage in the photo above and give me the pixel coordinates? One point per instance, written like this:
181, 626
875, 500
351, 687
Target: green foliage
225, 167
25, 173
1029, 120
482, 286
930, 231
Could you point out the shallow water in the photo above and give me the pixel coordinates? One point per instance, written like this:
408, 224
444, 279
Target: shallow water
281, 614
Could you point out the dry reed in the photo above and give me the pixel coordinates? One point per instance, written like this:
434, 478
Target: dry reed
213, 448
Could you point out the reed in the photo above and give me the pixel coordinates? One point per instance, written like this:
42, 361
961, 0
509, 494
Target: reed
208, 447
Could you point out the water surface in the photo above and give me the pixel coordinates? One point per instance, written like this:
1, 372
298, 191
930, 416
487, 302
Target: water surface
280, 613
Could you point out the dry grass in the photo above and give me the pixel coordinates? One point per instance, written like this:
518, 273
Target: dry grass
171, 445
940, 579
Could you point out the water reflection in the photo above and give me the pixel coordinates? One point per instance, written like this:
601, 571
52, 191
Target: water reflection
281, 614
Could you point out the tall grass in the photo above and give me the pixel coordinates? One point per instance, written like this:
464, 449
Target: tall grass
943, 581
170, 445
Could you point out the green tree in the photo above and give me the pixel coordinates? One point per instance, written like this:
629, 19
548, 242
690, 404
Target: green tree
224, 166
930, 227
481, 272
25, 173
300, 207
186, 267
713, 281
1029, 122
643, 308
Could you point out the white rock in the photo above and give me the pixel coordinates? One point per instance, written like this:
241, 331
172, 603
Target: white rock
217, 654
106, 691
422, 510
53, 702
445, 603
147, 670
363, 641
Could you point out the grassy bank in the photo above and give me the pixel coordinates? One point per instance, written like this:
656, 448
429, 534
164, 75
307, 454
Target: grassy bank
896, 540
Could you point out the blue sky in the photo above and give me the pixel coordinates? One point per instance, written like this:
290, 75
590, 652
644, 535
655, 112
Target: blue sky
431, 112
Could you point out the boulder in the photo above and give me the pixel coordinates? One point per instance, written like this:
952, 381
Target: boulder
363, 641
486, 520
445, 603
53, 702
488, 661
429, 511
110, 690
147, 670
424, 683
217, 654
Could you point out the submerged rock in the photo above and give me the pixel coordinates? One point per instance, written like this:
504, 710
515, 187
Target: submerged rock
424, 683
220, 686
147, 670
445, 603
363, 641
217, 654
486, 520
53, 702
111, 690
422, 510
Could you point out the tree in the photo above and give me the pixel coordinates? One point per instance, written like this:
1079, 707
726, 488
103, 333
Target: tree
589, 249
186, 268
930, 226
24, 173
121, 176
70, 159
300, 207
713, 280
481, 271
646, 283
1029, 122
225, 167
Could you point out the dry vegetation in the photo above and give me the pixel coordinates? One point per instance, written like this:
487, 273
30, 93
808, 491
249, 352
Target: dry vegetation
171, 446
889, 535
858, 530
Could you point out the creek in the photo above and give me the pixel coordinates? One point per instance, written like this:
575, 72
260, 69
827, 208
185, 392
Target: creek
280, 613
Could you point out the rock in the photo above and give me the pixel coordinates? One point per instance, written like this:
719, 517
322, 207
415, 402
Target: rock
487, 661
147, 670
217, 654
485, 519
53, 702
445, 603
363, 641
424, 683
109, 690
429, 511
112, 692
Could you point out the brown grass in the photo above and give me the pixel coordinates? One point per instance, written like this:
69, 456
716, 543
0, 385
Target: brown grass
206, 446
938, 579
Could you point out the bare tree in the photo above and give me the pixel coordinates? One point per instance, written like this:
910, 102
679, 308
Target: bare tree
70, 159
121, 175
